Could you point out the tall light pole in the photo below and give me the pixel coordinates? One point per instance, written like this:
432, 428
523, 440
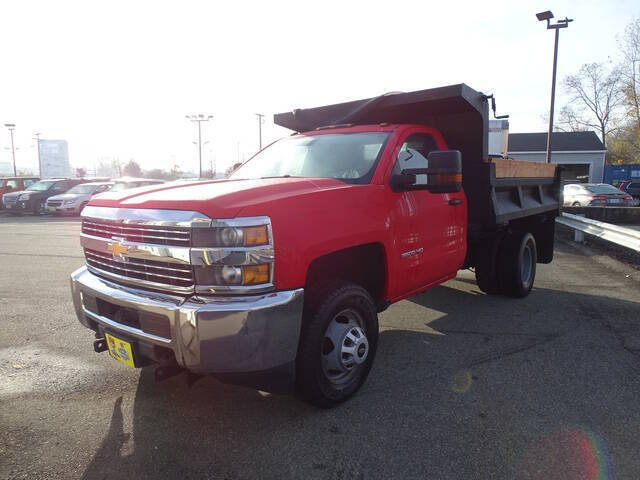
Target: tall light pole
12, 127
260, 121
36, 137
200, 117
542, 16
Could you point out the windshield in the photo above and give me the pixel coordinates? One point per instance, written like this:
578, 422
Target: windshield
82, 189
41, 186
350, 157
602, 189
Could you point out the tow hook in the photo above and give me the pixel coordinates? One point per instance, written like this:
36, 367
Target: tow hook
100, 345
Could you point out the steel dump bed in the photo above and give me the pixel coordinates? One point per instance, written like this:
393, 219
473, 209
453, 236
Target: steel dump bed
498, 190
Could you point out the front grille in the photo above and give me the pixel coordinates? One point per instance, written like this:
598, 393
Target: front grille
165, 273
157, 235
54, 203
10, 200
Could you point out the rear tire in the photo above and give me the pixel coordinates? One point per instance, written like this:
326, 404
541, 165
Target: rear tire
516, 265
485, 269
337, 346
576, 204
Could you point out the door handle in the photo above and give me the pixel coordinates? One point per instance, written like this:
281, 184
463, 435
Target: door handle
455, 201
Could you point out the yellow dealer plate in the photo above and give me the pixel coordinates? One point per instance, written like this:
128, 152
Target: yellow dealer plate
52, 209
120, 350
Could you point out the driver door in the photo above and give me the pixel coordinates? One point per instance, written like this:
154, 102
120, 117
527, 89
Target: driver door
428, 229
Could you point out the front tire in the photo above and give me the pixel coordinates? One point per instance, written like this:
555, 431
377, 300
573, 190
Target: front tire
337, 346
38, 209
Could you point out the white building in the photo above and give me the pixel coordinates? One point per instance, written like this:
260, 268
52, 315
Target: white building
54, 158
581, 153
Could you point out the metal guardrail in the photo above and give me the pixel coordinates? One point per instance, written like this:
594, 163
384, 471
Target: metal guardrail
626, 237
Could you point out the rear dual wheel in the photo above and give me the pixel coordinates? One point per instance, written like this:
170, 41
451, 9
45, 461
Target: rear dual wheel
337, 345
507, 266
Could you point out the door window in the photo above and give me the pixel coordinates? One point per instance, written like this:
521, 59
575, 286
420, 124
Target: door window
13, 184
413, 154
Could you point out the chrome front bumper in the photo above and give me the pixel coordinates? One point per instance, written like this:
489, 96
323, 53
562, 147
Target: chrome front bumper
208, 334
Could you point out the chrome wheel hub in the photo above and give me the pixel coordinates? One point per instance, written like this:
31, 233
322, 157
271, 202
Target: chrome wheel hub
345, 347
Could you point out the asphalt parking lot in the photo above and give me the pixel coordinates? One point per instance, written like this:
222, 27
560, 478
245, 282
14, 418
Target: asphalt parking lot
464, 386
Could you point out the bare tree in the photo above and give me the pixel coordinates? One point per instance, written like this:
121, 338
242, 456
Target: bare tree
595, 98
630, 69
567, 121
132, 169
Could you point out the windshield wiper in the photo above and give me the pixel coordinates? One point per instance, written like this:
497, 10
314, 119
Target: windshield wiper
280, 176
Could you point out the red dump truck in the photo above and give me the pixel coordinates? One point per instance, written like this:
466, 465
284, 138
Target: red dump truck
274, 277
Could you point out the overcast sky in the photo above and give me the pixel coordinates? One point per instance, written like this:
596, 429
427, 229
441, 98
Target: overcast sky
116, 78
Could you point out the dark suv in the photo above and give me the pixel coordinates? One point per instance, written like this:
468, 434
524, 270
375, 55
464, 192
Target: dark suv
33, 198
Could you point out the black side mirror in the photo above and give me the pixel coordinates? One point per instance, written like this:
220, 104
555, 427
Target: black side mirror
402, 181
445, 171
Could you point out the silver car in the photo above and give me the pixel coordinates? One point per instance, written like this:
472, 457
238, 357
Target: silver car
74, 200
595, 194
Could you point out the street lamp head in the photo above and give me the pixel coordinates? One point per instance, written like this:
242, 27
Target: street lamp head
198, 117
10, 125
542, 16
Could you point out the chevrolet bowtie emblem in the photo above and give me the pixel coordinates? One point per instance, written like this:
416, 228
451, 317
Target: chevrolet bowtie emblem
117, 249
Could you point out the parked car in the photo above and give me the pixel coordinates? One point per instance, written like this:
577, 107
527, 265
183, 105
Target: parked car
595, 194
126, 183
33, 198
632, 188
622, 185
75, 199
274, 277
14, 184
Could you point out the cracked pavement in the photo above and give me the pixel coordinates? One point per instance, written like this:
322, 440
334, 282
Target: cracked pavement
464, 386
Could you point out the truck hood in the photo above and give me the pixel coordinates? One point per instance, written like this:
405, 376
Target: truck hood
216, 199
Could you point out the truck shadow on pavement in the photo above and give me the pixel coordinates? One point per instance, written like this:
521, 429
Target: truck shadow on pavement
469, 386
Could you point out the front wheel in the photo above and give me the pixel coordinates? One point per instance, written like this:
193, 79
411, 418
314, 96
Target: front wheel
38, 208
337, 345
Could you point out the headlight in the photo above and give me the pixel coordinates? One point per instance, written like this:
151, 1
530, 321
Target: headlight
69, 202
24, 196
233, 275
233, 255
251, 236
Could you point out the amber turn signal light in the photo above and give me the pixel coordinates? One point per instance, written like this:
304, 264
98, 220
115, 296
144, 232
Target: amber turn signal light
255, 274
256, 236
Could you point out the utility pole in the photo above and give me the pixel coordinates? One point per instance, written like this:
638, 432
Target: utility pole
542, 16
12, 127
199, 118
260, 122
36, 137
